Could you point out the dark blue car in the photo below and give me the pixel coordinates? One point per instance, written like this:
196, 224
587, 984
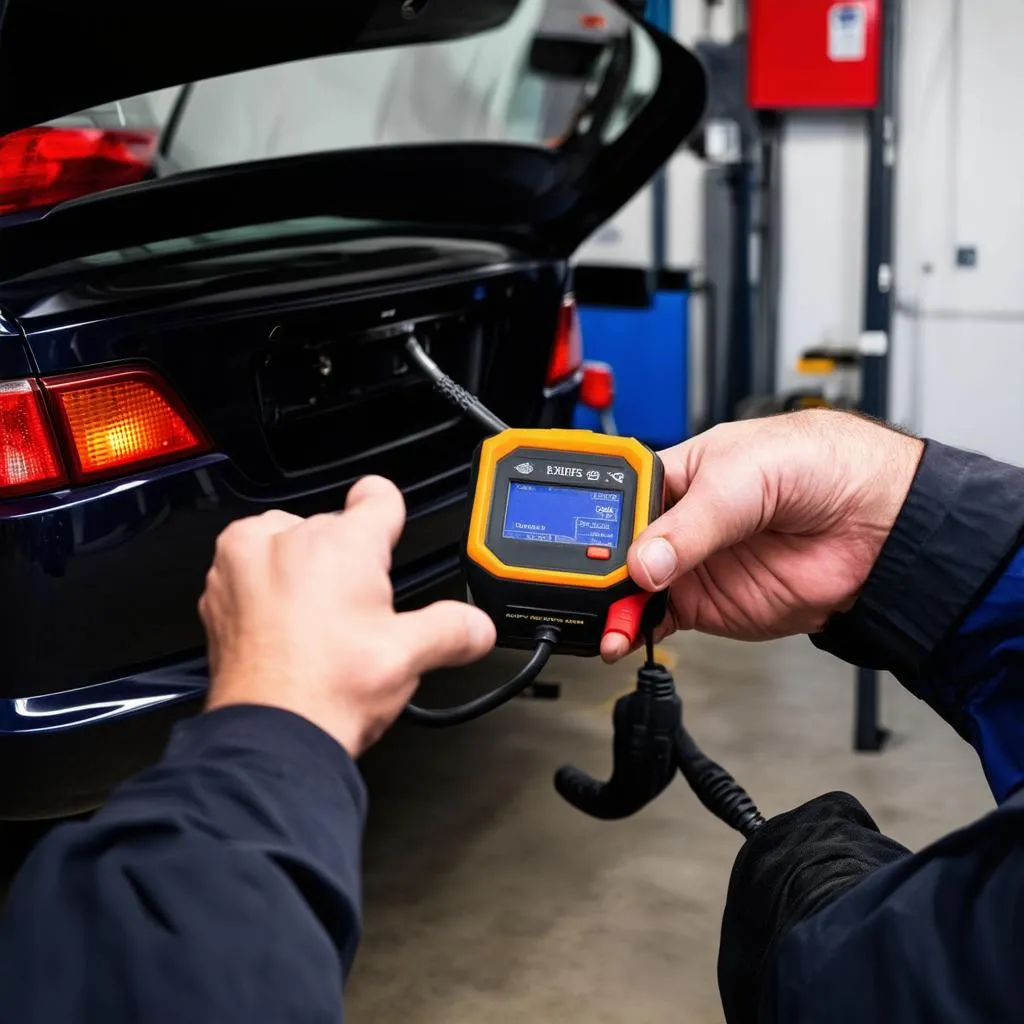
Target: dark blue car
214, 239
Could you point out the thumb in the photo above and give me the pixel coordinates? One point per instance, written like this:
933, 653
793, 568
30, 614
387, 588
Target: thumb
444, 635
700, 524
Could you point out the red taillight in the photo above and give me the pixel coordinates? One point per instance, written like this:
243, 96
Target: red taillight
28, 453
597, 389
567, 354
44, 166
121, 420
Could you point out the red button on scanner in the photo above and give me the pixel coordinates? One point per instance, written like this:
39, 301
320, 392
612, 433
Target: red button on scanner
599, 554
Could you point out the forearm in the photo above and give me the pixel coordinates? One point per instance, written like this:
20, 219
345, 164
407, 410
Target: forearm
962, 520
943, 608
222, 884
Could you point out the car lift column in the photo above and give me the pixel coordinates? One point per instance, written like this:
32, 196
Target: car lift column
876, 339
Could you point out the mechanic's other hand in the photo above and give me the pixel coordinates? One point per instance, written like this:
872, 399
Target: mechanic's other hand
794, 865
299, 615
774, 524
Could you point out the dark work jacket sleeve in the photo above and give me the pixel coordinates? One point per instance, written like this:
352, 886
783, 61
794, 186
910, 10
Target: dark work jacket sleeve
937, 937
943, 608
221, 885
961, 522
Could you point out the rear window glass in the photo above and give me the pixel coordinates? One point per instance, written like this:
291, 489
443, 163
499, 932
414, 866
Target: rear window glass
531, 81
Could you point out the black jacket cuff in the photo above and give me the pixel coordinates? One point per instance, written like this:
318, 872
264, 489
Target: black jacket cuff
279, 778
962, 520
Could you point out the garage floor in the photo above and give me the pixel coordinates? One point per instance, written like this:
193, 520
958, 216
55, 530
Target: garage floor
487, 899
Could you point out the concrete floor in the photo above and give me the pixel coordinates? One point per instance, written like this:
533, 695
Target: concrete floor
488, 899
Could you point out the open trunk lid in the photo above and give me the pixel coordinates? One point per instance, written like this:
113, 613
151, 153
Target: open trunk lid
524, 122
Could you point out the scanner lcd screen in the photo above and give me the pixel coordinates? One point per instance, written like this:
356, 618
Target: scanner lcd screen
562, 515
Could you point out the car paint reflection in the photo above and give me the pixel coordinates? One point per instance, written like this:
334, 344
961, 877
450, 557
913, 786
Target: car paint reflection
104, 701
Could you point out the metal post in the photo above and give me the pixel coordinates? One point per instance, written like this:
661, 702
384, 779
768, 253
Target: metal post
659, 14
739, 351
868, 734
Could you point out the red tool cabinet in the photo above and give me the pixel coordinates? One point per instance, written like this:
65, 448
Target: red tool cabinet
811, 54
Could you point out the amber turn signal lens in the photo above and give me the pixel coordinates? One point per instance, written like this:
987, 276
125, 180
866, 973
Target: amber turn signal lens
123, 420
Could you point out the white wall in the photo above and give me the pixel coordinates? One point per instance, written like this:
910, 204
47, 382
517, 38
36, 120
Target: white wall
959, 340
824, 182
627, 239
957, 356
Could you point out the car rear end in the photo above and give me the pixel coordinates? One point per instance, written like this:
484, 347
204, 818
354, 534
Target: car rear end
205, 291
156, 418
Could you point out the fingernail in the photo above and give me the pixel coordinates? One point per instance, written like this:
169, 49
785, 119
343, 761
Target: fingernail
659, 559
614, 646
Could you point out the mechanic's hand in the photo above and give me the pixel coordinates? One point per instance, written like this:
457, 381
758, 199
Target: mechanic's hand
774, 524
298, 614
794, 865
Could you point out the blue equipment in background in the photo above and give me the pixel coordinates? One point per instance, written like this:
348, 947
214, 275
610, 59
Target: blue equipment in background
638, 323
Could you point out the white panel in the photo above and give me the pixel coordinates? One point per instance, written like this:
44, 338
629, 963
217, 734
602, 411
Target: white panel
970, 388
989, 211
685, 229
824, 188
625, 240
958, 347
685, 234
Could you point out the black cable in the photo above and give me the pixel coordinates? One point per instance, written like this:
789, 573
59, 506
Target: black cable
649, 746
653, 712
440, 718
649, 649
715, 788
455, 393
547, 636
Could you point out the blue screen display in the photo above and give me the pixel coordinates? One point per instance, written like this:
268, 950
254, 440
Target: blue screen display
562, 515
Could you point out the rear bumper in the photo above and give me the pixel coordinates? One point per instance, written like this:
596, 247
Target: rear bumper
103, 648
104, 583
62, 752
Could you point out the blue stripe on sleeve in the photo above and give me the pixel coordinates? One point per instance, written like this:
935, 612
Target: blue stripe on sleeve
978, 679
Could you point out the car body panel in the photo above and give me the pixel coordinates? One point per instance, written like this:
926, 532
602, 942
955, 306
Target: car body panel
14, 358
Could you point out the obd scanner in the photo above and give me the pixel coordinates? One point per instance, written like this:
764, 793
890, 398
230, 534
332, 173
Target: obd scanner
553, 515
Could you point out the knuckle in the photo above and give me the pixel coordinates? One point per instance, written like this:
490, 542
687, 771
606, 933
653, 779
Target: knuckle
232, 537
397, 664
273, 518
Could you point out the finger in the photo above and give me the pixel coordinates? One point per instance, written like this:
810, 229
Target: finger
706, 519
237, 536
367, 529
375, 510
615, 647
681, 463
444, 634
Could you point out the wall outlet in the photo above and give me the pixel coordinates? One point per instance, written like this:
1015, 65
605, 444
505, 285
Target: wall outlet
967, 256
